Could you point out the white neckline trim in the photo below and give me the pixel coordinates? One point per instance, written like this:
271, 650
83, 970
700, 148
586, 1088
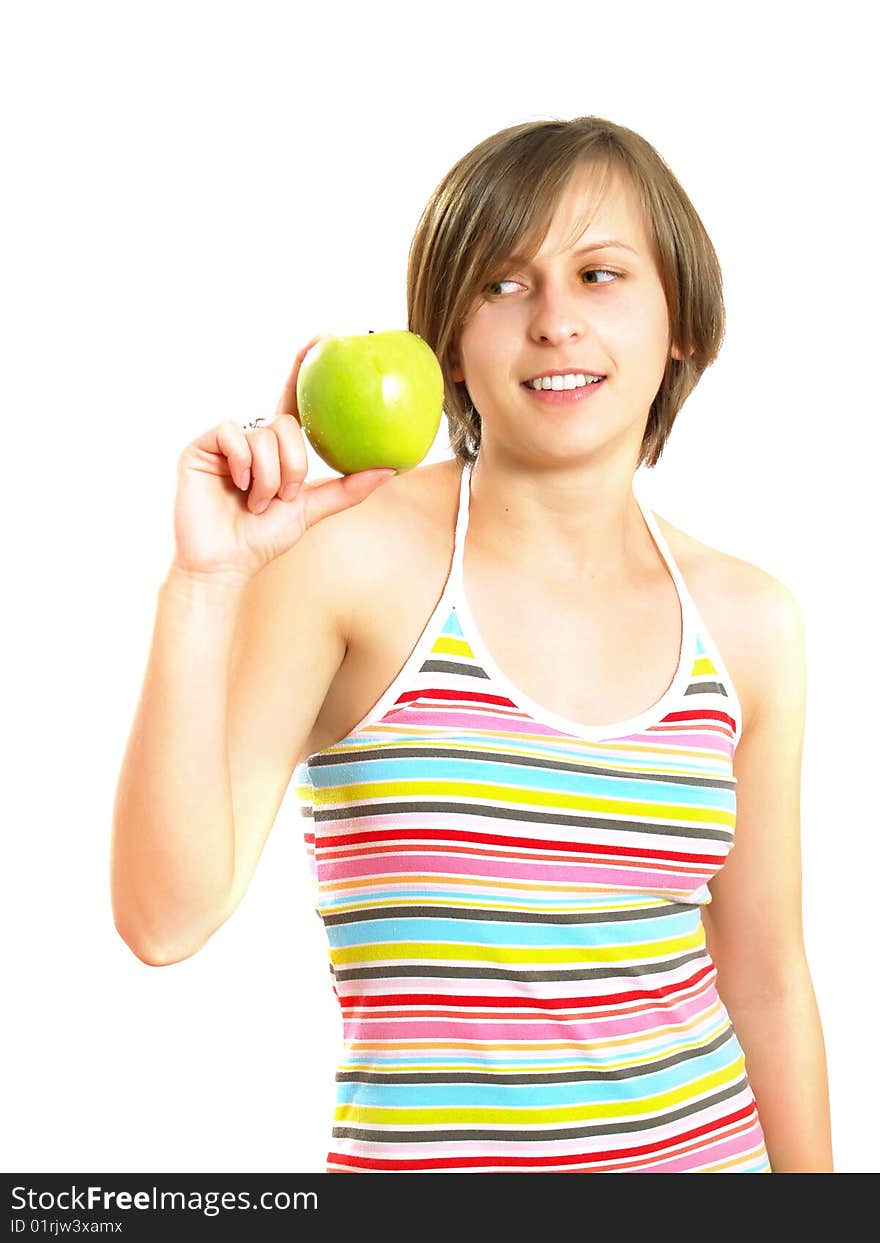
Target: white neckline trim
592, 733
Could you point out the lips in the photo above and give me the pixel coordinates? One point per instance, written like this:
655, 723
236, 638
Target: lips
563, 396
528, 383
571, 371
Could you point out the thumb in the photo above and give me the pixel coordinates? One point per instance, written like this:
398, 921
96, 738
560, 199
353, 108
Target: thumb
333, 495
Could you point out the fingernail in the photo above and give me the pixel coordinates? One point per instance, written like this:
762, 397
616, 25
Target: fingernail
263, 505
289, 491
245, 480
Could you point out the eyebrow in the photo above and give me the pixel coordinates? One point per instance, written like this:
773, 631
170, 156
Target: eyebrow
605, 243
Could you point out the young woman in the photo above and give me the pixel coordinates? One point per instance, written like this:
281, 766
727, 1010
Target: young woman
547, 746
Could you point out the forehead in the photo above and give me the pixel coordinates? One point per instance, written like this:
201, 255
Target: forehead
593, 206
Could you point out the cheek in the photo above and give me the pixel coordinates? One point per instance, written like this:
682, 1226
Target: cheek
644, 327
484, 345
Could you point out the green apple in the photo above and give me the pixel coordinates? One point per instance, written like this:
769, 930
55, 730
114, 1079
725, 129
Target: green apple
371, 400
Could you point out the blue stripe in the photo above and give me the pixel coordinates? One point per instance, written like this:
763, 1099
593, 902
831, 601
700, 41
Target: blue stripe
539, 1096
486, 932
516, 776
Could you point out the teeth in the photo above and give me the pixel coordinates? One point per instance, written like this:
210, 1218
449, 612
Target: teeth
573, 380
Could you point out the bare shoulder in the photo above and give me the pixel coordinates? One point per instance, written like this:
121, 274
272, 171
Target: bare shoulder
754, 618
386, 534
395, 514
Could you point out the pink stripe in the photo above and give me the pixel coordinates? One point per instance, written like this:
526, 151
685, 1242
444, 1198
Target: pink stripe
706, 742
709, 1156
454, 865
483, 1029
672, 735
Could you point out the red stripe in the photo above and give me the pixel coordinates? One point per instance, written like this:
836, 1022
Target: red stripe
502, 1002
492, 839
701, 714
432, 692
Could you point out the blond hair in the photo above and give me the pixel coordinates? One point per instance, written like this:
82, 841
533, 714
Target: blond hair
500, 197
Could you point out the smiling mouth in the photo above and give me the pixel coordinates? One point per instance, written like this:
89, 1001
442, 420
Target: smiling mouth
562, 396
590, 378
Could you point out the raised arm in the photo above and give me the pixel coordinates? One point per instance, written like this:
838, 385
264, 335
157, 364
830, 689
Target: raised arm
248, 635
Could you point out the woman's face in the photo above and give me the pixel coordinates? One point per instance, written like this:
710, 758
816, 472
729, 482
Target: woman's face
603, 312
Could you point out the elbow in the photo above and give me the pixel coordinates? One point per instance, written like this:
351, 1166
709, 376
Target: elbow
152, 955
153, 950
781, 984
149, 955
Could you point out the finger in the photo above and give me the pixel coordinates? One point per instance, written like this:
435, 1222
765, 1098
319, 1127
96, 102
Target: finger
231, 441
292, 455
265, 467
287, 403
330, 497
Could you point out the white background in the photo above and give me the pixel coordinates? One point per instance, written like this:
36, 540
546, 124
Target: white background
193, 190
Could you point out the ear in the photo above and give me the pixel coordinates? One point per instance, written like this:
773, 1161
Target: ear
678, 355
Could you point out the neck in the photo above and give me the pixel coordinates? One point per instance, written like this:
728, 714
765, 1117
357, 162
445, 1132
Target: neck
566, 524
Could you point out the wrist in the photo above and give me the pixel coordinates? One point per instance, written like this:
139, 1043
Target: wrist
195, 585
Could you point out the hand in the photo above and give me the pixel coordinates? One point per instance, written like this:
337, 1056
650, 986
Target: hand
242, 496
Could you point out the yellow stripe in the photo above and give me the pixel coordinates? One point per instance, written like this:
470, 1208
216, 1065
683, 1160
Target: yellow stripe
532, 1116
477, 790
515, 954
450, 646
703, 665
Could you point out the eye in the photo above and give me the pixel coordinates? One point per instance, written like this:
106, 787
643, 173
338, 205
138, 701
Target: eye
494, 290
598, 271
494, 285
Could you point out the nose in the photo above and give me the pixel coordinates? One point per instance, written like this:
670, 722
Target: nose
558, 314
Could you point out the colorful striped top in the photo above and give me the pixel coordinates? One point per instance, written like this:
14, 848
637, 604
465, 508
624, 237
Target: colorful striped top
513, 902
